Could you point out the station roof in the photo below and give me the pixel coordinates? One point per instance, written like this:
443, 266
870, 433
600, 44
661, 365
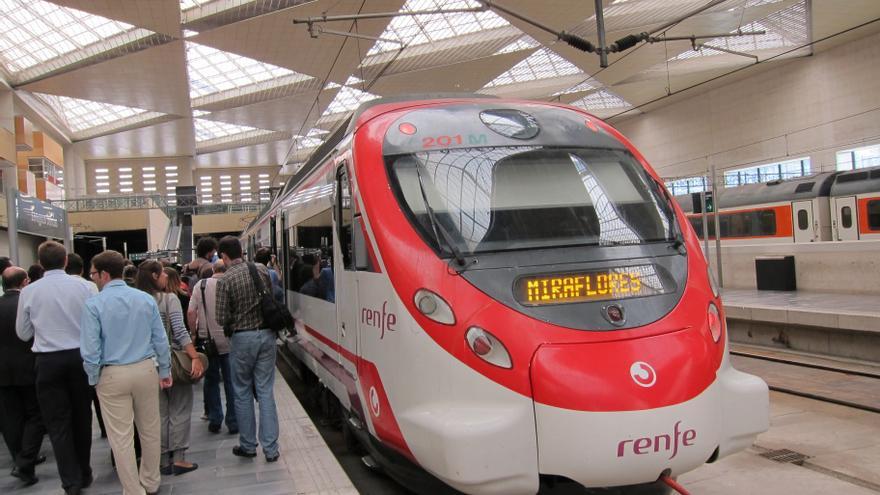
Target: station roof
236, 83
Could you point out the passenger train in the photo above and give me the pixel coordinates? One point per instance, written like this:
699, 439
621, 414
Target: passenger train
829, 206
516, 300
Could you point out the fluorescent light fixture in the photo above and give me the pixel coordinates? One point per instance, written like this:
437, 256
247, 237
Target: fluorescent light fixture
125, 176
225, 176
126, 190
149, 182
101, 170
149, 176
245, 188
171, 174
102, 191
102, 177
170, 167
171, 181
262, 176
149, 169
102, 184
149, 189
125, 183
125, 169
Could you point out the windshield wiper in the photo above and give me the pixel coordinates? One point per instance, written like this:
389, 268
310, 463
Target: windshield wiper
436, 226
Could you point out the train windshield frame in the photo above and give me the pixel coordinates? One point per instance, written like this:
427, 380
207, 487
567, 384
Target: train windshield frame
503, 198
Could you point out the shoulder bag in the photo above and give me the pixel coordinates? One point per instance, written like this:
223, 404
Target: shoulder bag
275, 315
206, 345
181, 363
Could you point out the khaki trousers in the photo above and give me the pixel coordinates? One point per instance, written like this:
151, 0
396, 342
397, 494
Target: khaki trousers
129, 395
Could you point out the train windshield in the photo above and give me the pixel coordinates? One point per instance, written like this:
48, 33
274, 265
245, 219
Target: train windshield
477, 200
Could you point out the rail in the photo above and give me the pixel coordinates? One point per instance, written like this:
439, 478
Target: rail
144, 201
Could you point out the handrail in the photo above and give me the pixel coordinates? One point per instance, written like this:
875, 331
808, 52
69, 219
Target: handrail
145, 201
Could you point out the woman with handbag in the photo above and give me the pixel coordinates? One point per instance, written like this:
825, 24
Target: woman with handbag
187, 367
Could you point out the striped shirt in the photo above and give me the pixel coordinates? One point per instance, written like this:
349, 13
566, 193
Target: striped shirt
172, 318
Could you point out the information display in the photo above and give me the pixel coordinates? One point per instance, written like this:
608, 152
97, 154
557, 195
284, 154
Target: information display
614, 283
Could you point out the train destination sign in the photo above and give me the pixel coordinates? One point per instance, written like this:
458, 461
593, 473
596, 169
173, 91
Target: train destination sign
573, 287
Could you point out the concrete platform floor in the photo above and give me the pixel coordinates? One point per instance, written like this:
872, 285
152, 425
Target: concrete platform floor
842, 446
306, 466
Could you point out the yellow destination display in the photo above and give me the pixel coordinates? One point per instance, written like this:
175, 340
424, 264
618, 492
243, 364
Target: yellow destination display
619, 283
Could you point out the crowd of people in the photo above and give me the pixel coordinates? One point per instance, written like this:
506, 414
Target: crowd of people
133, 341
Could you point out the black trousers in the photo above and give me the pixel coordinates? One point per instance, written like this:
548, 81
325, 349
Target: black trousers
65, 401
23, 428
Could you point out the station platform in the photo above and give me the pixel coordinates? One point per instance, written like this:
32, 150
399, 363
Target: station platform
306, 465
854, 312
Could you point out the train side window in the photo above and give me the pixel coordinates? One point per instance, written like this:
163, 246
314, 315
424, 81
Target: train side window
344, 217
803, 220
846, 217
874, 215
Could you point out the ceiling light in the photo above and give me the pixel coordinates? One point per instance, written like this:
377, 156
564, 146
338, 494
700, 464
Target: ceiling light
125, 169
170, 167
225, 188
263, 176
149, 176
225, 176
171, 181
102, 184
149, 182
126, 190
125, 183
149, 169
149, 189
125, 176
100, 170
171, 174
102, 177
102, 191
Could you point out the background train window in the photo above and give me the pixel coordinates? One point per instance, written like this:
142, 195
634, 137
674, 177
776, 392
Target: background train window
846, 217
803, 220
874, 215
759, 223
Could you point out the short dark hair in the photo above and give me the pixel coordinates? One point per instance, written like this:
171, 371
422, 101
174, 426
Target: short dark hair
13, 279
205, 246
130, 272
52, 255
230, 246
263, 255
74, 264
35, 272
111, 262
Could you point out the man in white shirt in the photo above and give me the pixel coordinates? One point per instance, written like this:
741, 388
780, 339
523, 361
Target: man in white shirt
50, 311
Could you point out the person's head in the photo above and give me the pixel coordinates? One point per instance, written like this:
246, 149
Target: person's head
173, 284
205, 247
229, 248
106, 267
35, 272
206, 271
129, 273
263, 255
219, 267
52, 255
14, 278
5, 263
151, 277
74, 264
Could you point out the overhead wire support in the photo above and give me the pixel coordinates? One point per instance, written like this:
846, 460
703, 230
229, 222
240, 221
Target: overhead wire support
572, 39
384, 15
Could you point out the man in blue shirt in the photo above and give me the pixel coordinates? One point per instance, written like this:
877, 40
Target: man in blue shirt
122, 334
49, 312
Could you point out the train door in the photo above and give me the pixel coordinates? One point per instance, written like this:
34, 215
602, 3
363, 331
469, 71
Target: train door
284, 255
802, 211
345, 274
846, 224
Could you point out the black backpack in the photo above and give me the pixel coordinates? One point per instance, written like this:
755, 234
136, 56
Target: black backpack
276, 316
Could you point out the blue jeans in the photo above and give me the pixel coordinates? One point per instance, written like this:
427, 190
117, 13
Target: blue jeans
253, 368
217, 366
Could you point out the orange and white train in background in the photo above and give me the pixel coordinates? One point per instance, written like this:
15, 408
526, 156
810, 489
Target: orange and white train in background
829, 206
518, 300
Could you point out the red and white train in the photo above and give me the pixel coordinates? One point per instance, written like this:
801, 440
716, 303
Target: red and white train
518, 300
829, 206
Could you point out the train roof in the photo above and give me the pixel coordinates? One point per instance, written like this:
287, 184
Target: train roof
856, 181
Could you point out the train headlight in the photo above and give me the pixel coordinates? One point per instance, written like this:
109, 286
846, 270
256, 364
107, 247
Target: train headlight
488, 348
434, 307
716, 325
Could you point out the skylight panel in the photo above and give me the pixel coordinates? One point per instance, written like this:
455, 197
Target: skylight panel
588, 85
421, 29
213, 71
207, 130
784, 28
34, 31
311, 139
348, 99
602, 100
526, 42
543, 64
80, 115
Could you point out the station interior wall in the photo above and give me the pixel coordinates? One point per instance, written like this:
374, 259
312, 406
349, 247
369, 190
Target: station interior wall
221, 222
153, 220
811, 106
27, 247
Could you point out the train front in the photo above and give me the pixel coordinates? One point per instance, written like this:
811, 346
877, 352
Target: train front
552, 263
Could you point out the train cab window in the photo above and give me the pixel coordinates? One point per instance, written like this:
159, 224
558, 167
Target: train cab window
803, 220
846, 220
874, 215
344, 217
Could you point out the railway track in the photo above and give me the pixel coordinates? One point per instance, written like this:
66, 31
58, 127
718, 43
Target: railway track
847, 383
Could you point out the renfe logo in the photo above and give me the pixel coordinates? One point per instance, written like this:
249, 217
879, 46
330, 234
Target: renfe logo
381, 320
643, 374
646, 445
